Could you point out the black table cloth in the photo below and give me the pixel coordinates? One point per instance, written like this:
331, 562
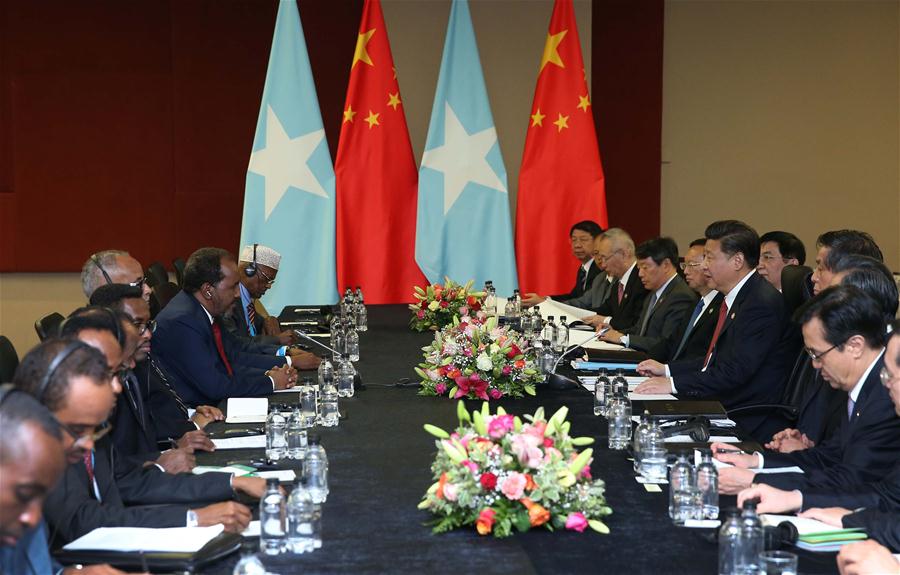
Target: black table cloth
380, 460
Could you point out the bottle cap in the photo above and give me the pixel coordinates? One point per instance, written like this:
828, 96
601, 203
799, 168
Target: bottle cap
271, 481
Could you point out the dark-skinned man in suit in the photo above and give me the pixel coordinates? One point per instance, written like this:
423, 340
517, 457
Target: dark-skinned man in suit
746, 361
669, 303
622, 308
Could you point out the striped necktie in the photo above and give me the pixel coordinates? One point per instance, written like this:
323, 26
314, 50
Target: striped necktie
251, 319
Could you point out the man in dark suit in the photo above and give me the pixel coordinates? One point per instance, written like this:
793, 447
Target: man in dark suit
747, 357
697, 329
843, 331
205, 363
840, 242
622, 309
582, 235
875, 506
776, 250
99, 489
669, 303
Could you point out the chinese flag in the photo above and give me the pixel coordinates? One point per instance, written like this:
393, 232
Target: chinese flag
561, 179
376, 175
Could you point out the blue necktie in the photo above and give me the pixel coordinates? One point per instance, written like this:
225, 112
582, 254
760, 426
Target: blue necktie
690, 327
850, 405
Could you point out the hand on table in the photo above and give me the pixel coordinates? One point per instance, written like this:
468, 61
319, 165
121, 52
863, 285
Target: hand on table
829, 515
866, 558
286, 337
304, 359
733, 455
788, 440
94, 570
771, 499
594, 320
612, 336
651, 368
733, 480
285, 377
179, 460
195, 440
654, 385
206, 414
234, 516
252, 486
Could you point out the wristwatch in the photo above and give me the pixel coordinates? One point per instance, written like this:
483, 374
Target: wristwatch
192, 519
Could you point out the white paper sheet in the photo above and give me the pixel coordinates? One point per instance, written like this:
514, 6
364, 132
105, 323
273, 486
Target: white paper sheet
248, 442
578, 337
238, 471
804, 525
279, 474
604, 345
717, 438
295, 389
252, 529
172, 539
589, 382
650, 396
556, 309
246, 409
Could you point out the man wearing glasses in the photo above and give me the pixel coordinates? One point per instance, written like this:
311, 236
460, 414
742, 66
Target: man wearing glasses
622, 308
72, 380
698, 328
873, 506
843, 332
112, 267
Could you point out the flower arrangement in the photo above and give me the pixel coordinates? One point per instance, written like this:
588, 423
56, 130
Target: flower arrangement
499, 473
475, 358
437, 304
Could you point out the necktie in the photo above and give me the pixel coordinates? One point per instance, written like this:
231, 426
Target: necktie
647, 315
133, 393
579, 281
690, 327
89, 466
251, 319
620, 291
217, 335
850, 405
723, 311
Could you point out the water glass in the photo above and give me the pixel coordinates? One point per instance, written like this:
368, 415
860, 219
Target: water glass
777, 563
653, 463
309, 405
329, 416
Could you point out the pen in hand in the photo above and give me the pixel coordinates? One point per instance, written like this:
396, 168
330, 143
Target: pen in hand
723, 450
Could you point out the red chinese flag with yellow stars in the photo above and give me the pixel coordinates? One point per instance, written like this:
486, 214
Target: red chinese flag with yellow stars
376, 175
561, 178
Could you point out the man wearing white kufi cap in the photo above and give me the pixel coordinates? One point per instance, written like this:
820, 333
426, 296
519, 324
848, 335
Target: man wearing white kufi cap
248, 319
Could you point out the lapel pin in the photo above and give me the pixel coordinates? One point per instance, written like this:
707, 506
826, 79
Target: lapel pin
732, 316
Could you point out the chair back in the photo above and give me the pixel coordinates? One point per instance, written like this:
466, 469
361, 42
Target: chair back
48, 326
161, 295
178, 264
156, 275
795, 286
9, 360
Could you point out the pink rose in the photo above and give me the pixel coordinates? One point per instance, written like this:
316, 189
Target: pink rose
495, 393
420, 314
440, 388
514, 485
525, 448
575, 521
499, 425
451, 492
470, 465
536, 429
463, 311
506, 370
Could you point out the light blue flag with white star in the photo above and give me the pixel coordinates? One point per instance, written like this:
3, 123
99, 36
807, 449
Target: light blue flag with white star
463, 230
289, 200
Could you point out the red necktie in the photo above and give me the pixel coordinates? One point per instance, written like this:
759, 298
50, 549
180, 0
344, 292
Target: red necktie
723, 311
621, 291
89, 465
217, 335
251, 318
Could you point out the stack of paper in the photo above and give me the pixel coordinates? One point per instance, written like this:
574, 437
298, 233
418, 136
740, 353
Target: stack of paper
248, 442
549, 307
246, 409
814, 535
129, 539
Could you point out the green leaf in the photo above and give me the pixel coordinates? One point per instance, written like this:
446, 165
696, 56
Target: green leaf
578, 464
529, 389
436, 431
462, 413
582, 441
453, 391
598, 526
478, 422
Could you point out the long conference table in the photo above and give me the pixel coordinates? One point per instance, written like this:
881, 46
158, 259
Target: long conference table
380, 459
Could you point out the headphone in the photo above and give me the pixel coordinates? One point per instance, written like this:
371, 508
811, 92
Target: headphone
57, 360
120, 337
697, 428
250, 270
96, 261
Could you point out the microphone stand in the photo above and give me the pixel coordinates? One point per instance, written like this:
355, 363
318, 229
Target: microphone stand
557, 381
357, 379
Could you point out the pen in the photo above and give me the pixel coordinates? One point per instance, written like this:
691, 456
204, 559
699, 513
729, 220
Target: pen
722, 450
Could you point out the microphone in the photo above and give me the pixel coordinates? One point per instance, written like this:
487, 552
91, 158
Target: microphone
357, 379
557, 381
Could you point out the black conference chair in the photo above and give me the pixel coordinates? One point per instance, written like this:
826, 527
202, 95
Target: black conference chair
156, 274
48, 326
178, 264
795, 286
161, 295
9, 359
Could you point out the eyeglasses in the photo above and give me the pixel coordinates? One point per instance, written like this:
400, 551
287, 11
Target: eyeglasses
143, 327
818, 356
603, 259
92, 434
269, 281
119, 373
885, 376
686, 265
139, 282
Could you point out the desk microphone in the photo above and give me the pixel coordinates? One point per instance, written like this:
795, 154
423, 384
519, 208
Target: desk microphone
557, 381
357, 379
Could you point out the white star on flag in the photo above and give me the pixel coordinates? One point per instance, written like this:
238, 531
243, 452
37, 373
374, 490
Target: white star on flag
462, 158
283, 162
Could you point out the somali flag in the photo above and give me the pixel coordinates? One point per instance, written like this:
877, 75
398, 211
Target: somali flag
463, 228
289, 201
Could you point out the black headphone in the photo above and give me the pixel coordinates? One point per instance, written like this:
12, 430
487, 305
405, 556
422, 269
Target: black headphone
697, 428
96, 261
250, 270
57, 360
120, 337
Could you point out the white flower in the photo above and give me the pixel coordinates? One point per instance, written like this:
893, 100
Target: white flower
434, 305
483, 362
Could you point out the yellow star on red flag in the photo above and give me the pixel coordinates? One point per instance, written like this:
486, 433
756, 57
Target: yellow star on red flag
561, 122
394, 100
361, 54
348, 114
537, 118
372, 119
550, 50
583, 103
